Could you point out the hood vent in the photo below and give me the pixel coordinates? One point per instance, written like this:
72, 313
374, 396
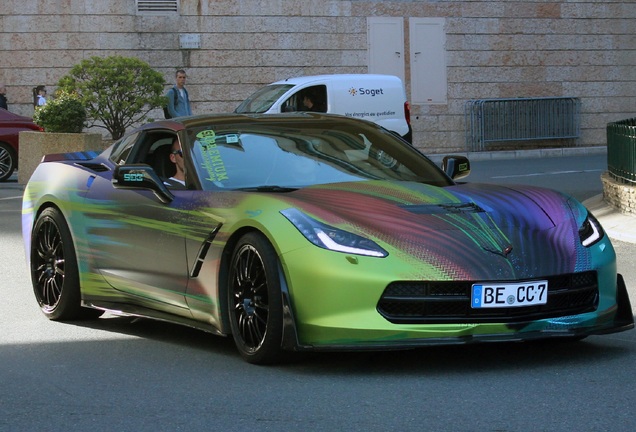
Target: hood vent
452, 208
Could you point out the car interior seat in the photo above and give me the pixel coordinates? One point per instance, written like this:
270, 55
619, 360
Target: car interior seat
161, 163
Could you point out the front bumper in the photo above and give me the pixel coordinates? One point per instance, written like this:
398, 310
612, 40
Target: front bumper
615, 319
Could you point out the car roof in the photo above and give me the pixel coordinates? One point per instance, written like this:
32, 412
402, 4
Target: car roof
180, 123
338, 77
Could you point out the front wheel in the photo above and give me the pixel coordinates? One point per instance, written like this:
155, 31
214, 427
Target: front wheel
54, 272
255, 300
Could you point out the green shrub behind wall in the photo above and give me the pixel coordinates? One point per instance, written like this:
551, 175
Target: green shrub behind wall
117, 91
65, 113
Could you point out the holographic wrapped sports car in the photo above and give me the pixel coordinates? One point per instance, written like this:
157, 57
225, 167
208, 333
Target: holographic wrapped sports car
301, 232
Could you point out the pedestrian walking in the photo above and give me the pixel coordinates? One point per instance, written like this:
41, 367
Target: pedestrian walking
178, 98
39, 96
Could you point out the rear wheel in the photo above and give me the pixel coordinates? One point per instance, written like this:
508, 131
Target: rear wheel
255, 301
54, 272
8, 161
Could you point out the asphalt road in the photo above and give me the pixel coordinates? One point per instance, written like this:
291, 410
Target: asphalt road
122, 374
579, 176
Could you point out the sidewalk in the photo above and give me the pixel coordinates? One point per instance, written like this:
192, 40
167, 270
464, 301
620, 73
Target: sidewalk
618, 226
522, 154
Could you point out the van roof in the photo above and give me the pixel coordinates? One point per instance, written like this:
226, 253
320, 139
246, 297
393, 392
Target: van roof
338, 77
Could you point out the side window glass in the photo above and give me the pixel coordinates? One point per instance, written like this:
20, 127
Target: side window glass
308, 99
122, 149
157, 151
292, 104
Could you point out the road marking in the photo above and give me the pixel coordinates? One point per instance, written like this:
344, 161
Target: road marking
548, 173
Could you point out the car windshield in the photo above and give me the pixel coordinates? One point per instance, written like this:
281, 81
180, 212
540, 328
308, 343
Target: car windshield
273, 156
263, 99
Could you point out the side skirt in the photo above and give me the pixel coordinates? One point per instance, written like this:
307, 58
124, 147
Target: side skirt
141, 312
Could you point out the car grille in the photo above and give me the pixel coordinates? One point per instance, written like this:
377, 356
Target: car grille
449, 302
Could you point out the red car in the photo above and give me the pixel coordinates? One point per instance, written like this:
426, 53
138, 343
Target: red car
10, 126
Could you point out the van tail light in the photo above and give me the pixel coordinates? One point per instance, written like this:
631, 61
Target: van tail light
407, 112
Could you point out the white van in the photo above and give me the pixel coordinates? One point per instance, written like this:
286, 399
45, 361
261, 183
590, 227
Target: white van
377, 98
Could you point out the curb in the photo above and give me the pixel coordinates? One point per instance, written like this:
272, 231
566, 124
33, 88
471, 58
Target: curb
523, 154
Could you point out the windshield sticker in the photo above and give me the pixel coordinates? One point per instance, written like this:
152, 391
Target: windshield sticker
212, 161
206, 137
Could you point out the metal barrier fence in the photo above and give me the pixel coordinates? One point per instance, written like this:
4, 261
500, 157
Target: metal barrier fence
621, 150
521, 119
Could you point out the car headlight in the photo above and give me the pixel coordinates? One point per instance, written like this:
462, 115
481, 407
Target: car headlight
331, 238
590, 231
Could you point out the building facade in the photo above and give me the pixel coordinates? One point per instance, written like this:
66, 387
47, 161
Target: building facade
447, 52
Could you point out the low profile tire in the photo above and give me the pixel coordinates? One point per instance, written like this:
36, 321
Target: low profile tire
8, 161
255, 301
54, 272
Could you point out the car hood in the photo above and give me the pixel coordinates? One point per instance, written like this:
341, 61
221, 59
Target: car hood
7, 117
472, 231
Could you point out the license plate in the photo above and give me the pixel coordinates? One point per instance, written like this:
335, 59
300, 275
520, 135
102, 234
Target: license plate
516, 294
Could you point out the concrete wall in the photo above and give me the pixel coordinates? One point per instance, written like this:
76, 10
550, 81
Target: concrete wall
34, 145
579, 48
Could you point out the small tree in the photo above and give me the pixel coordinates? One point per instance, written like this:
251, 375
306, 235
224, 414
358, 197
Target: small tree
116, 91
65, 113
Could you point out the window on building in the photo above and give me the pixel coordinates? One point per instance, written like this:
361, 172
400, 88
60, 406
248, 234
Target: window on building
157, 7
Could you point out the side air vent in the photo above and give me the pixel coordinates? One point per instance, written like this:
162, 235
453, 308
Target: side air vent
93, 166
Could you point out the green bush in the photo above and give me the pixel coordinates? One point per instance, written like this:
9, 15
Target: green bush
116, 91
64, 113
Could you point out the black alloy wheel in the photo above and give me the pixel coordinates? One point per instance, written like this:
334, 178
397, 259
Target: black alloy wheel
54, 272
255, 300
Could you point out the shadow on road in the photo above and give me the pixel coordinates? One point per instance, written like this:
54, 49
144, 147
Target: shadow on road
429, 361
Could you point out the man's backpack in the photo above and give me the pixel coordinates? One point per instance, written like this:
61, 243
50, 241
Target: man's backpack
166, 113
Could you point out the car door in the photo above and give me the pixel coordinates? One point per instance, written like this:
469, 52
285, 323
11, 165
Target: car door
138, 241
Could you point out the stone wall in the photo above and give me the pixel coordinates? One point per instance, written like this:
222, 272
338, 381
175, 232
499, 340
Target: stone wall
494, 49
619, 195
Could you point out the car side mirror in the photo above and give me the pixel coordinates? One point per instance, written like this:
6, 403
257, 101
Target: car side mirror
456, 167
141, 177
